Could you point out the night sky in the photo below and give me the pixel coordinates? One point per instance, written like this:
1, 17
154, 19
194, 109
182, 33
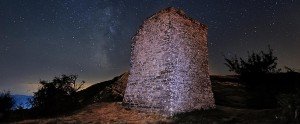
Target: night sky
40, 39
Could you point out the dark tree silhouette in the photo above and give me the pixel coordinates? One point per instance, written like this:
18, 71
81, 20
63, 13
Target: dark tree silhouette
6, 102
256, 71
58, 96
255, 63
262, 78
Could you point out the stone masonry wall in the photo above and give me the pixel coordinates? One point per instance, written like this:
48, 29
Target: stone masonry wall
169, 65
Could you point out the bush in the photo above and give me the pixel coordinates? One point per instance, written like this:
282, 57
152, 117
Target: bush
255, 63
258, 71
58, 96
6, 102
262, 79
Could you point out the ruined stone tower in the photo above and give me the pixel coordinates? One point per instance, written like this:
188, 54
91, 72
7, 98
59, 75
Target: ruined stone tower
169, 65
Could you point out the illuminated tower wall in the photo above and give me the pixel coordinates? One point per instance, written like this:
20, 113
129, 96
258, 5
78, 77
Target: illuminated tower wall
169, 65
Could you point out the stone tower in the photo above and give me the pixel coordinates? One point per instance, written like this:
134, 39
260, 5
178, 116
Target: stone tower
169, 65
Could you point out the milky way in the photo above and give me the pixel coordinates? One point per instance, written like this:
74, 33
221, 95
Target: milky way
41, 39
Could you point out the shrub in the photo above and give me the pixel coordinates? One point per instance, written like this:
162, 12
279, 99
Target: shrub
262, 79
257, 72
255, 63
6, 102
6, 105
58, 96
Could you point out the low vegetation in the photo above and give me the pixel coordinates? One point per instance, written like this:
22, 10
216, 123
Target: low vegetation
268, 86
57, 96
6, 104
254, 64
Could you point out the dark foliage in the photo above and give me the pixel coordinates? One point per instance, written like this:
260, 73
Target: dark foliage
57, 97
262, 78
6, 104
255, 63
60, 96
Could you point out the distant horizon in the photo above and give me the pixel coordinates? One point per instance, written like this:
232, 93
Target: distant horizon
22, 100
86, 85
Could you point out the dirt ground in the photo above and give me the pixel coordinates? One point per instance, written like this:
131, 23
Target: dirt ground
99, 113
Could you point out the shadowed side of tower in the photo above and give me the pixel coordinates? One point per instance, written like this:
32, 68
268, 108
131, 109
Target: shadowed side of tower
169, 65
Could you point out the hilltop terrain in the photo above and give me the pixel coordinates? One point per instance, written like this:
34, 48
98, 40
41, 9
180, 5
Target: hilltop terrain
103, 105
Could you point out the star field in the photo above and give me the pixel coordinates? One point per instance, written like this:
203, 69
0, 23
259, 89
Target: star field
40, 39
